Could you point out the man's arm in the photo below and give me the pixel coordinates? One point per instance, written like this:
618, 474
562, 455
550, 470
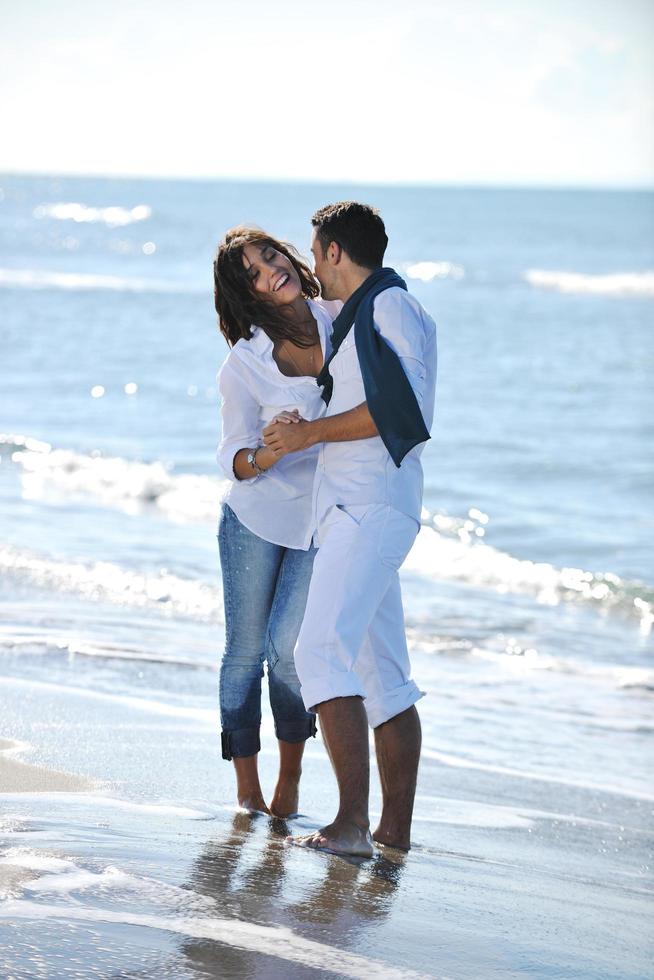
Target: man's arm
292, 437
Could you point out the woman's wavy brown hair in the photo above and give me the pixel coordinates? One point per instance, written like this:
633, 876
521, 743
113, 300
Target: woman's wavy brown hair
237, 304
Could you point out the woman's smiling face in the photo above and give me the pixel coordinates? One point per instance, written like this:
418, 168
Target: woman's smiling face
271, 274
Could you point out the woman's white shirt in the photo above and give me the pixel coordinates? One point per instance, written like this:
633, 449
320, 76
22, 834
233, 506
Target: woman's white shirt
276, 506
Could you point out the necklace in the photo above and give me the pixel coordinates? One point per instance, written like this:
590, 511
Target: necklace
298, 367
288, 345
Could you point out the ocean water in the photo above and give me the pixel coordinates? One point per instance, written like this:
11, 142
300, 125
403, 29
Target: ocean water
530, 592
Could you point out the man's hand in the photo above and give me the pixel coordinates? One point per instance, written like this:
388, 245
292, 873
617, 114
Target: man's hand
288, 436
292, 433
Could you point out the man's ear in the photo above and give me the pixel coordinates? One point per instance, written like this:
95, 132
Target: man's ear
334, 253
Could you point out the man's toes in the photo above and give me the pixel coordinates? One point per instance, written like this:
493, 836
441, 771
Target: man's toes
304, 841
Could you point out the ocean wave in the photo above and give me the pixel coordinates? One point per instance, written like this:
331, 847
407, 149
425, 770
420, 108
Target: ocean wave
115, 481
456, 556
625, 677
83, 281
107, 581
43, 644
427, 271
114, 217
610, 284
191, 920
447, 549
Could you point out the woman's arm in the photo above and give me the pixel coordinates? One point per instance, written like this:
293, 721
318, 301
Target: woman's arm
265, 458
241, 426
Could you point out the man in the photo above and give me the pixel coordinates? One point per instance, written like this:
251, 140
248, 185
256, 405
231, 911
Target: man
351, 655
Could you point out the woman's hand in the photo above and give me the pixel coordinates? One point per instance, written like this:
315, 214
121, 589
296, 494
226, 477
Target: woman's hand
287, 417
282, 438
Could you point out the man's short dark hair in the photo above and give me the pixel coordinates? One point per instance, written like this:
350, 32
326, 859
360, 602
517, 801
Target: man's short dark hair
357, 228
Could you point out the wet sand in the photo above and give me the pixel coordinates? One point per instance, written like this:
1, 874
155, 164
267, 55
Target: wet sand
156, 874
21, 777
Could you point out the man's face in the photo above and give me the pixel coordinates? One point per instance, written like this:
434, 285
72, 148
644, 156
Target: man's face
322, 268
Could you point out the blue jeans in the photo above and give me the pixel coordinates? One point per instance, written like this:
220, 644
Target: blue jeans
265, 590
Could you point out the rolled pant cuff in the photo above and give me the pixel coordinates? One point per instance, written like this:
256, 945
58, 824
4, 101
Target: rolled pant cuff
240, 744
294, 731
392, 703
336, 686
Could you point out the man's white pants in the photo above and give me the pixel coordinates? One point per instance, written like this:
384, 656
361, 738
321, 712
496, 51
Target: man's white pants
352, 641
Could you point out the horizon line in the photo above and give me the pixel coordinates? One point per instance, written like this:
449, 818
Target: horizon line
324, 182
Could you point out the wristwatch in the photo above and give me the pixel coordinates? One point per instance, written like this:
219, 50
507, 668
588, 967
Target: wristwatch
252, 460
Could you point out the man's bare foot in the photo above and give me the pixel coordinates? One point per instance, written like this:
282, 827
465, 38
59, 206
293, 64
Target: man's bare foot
286, 796
391, 837
338, 838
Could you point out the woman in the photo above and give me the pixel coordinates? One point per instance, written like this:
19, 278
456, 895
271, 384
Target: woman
279, 337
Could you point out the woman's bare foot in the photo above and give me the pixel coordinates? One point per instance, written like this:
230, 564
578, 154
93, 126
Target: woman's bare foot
286, 797
253, 803
248, 787
340, 837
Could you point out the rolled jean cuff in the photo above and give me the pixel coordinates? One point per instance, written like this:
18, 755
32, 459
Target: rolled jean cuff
296, 731
241, 743
334, 686
392, 703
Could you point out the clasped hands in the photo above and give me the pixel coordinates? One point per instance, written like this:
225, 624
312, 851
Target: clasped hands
287, 433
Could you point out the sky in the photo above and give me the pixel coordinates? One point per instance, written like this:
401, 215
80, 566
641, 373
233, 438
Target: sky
512, 92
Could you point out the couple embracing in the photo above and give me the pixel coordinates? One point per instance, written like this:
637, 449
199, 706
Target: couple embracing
327, 400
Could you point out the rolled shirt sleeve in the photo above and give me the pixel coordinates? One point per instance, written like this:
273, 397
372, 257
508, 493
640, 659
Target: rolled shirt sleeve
241, 422
400, 324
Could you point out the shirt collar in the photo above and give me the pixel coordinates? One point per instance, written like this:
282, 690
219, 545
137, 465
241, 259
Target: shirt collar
259, 340
261, 343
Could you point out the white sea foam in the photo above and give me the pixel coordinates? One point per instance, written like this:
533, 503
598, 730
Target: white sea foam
37, 642
528, 659
107, 581
95, 801
114, 217
461, 558
277, 941
448, 548
81, 281
25, 857
10, 747
610, 284
427, 271
114, 480
77, 881
63, 877
158, 809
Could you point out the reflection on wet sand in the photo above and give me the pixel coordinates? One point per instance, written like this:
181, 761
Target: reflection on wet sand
255, 876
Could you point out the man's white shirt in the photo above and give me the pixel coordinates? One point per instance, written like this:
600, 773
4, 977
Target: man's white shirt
362, 471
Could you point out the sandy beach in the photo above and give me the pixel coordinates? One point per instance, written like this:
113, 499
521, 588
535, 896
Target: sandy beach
123, 855
20, 777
